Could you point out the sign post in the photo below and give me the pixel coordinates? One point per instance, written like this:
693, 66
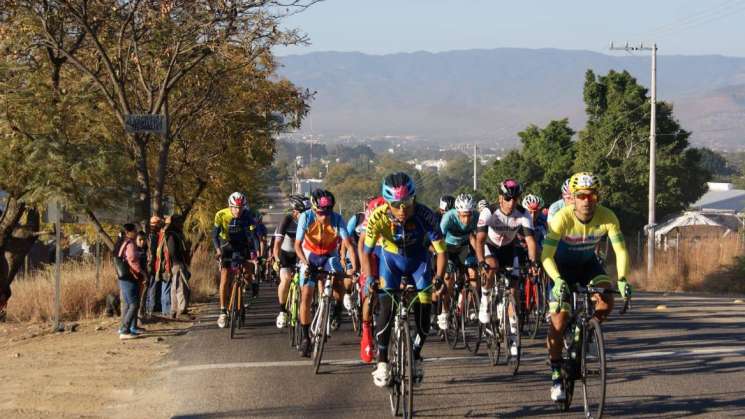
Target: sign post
56, 217
146, 124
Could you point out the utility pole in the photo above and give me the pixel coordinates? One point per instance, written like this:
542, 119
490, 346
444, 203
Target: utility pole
652, 150
474, 168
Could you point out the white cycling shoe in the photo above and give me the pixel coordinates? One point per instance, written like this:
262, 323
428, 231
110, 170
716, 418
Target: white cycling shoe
442, 321
281, 320
484, 309
222, 321
513, 349
348, 302
382, 375
557, 393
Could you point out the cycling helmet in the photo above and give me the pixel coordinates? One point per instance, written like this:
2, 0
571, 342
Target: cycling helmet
584, 181
322, 200
464, 203
447, 202
533, 202
482, 204
565, 188
398, 187
298, 202
510, 188
237, 199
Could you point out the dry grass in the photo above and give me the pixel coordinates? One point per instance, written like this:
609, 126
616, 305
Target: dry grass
33, 297
708, 265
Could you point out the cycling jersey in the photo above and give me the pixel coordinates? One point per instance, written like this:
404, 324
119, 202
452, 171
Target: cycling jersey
320, 238
570, 242
502, 229
238, 232
287, 229
554, 208
455, 232
355, 226
405, 239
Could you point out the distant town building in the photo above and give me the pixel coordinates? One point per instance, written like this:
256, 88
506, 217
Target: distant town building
306, 186
434, 164
721, 196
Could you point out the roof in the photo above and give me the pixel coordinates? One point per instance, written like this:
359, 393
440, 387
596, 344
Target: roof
732, 199
726, 220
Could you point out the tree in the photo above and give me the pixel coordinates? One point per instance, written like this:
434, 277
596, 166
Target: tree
615, 145
717, 165
541, 165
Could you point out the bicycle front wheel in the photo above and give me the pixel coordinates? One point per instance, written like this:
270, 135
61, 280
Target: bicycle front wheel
291, 314
512, 333
593, 370
470, 321
394, 351
320, 328
407, 372
234, 314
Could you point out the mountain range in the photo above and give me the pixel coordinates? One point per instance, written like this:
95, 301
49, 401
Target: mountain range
487, 96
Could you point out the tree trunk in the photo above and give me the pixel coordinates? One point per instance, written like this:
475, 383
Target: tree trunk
18, 225
143, 177
160, 177
107, 240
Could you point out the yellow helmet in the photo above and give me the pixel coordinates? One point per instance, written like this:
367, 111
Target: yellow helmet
584, 181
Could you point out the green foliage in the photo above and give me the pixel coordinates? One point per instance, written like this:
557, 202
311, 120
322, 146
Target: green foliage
717, 165
615, 145
541, 165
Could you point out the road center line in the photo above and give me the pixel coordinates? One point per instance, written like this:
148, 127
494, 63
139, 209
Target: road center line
474, 359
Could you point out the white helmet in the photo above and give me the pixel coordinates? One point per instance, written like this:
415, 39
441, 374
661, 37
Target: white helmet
237, 199
565, 188
532, 202
482, 204
464, 203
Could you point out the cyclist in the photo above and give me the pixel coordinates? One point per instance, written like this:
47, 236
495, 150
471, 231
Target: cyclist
285, 258
399, 232
533, 205
459, 228
569, 258
481, 205
566, 199
496, 234
447, 202
355, 226
319, 232
234, 232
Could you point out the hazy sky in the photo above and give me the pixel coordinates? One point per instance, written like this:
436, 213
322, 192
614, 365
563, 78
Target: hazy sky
688, 27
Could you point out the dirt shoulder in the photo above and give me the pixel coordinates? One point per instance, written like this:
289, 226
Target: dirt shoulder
86, 373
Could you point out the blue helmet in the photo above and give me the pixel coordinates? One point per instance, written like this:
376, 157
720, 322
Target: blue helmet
398, 187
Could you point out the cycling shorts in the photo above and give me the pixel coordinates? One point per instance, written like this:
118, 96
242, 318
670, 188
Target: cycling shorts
227, 253
393, 267
461, 256
287, 260
330, 263
505, 255
590, 272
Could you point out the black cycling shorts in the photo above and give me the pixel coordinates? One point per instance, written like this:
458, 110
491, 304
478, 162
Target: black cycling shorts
505, 255
287, 259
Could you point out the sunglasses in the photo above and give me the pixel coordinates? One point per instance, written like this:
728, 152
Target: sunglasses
508, 198
586, 196
404, 203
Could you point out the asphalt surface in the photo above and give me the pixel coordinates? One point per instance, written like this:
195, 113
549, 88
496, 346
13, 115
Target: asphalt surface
687, 360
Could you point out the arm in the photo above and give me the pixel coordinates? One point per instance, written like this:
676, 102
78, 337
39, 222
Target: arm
299, 237
549, 249
364, 259
132, 260
216, 238
347, 244
619, 248
174, 251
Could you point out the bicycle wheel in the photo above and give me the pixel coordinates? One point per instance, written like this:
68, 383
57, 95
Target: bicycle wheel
233, 316
291, 313
394, 351
355, 313
531, 315
569, 367
407, 372
452, 333
512, 339
593, 370
470, 321
490, 331
320, 328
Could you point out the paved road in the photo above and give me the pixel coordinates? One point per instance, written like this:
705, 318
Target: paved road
686, 361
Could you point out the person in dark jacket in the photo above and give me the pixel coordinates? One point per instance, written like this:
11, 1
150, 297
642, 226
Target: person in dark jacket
129, 284
172, 265
154, 287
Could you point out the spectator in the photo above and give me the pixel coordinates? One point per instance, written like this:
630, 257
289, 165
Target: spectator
130, 274
175, 249
141, 243
154, 287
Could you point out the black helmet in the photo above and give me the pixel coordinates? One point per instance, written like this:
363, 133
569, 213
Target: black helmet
510, 188
398, 187
298, 202
447, 202
322, 200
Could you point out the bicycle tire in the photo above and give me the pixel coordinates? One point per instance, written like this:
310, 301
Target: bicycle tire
291, 313
512, 361
532, 319
453, 331
319, 339
233, 316
491, 333
407, 370
470, 321
568, 367
593, 369
395, 387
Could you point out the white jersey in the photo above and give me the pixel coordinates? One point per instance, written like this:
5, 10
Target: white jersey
502, 229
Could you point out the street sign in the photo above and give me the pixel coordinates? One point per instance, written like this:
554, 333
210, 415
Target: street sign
145, 124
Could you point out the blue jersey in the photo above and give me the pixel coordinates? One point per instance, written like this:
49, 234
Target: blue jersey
317, 237
554, 208
456, 233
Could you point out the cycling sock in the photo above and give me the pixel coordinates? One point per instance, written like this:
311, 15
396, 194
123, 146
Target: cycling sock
423, 320
306, 331
337, 309
556, 372
223, 310
282, 308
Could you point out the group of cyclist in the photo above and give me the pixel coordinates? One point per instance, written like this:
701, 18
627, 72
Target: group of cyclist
397, 238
